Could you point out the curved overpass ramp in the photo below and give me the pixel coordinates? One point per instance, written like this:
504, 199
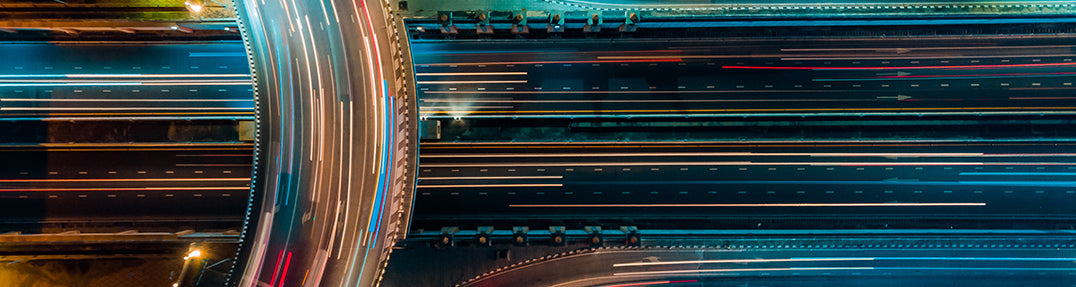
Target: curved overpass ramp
333, 163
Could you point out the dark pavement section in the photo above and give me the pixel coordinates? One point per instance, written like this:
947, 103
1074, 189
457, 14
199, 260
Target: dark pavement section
769, 185
543, 265
111, 188
740, 77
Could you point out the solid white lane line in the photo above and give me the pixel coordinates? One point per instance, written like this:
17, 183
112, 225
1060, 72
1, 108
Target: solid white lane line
124, 179
121, 108
488, 177
128, 188
739, 270
123, 100
127, 76
489, 185
468, 107
917, 57
473, 82
474, 74
668, 154
926, 48
861, 204
743, 261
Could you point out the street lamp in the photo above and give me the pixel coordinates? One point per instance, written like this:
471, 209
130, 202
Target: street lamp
194, 7
192, 254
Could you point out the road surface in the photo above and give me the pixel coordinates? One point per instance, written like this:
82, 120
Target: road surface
125, 80
676, 78
723, 185
116, 187
328, 189
981, 266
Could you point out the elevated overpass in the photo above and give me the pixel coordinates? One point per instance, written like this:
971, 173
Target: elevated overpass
336, 108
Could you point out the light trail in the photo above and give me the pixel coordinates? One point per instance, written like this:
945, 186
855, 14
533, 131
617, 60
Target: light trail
240, 179
722, 261
824, 259
985, 108
469, 107
668, 154
647, 92
737, 163
903, 67
953, 77
180, 81
126, 189
473, 74
488, 177
472, 82
689, 205
556, 62
902, 50
740, 270
763, 143
830, 57
641, 273
125, 108
125, 83
121, 100
127, 76
489, 185
431, 115
924, 57
653, 283
641, 101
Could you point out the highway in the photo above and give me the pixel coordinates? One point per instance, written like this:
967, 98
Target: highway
971, 266
744, 184
809, 76
328, 185
116, 187
125, 80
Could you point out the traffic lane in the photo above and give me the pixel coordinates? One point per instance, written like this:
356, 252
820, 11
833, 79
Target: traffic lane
986, 179
815, 53
127, 79
802, 168
324, 86
1030, 98
979, 77
676, 89
706, 76
126, 161
875, 147
465, 53
204, 95
164, 202
703, 267
892, 162
147, 186
223, 57
645, 199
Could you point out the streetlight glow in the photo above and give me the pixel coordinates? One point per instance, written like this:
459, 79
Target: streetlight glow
194, 7
193, 254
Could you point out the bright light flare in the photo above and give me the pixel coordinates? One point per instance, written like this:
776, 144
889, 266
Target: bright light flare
193, 254
194, 7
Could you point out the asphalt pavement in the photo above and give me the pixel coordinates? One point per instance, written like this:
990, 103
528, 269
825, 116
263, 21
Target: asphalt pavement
812, 76
743, 184
793, 267
327, 153
115, 187
125, 80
